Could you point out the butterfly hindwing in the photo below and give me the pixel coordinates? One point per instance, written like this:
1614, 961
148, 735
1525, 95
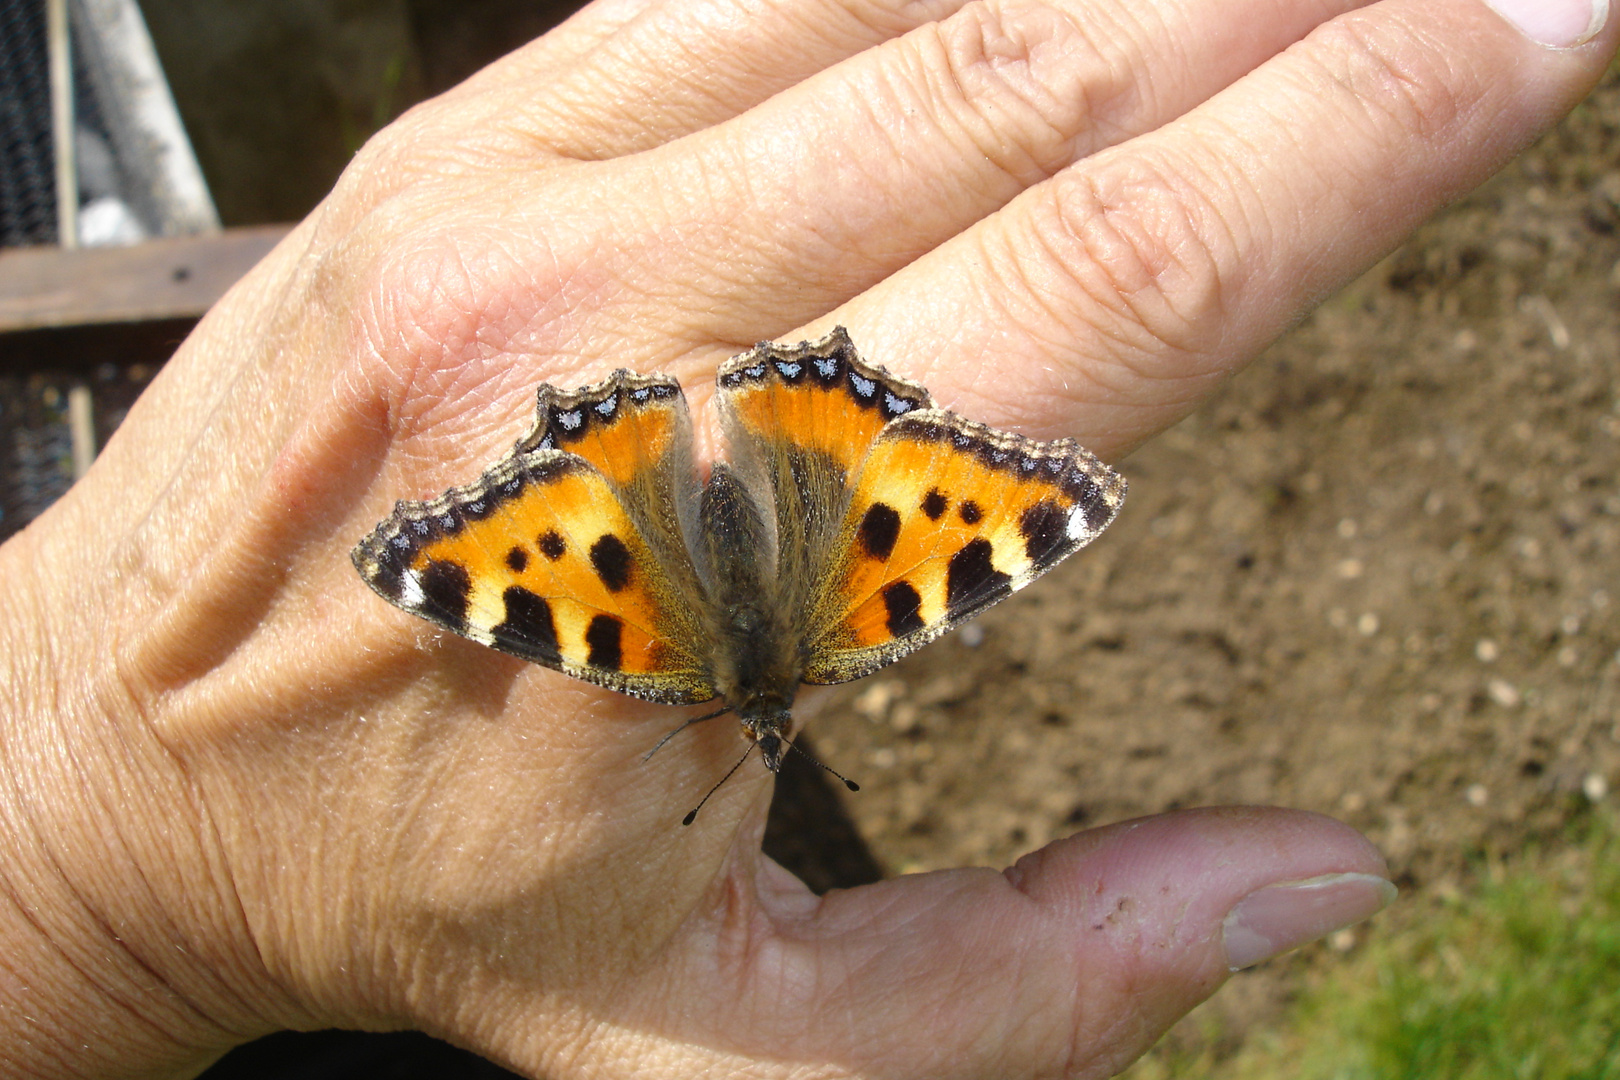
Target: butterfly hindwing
622, 425
946, 518
636, 431
817, 396
542, 559
799, 420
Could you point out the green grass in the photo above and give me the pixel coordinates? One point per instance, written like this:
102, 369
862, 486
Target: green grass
1518, 978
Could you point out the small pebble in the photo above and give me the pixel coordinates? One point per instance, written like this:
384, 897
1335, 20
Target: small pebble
904, 718
874, 701
1503, 693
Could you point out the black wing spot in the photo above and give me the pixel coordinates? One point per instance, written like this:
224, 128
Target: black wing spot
970, 512
603, 639
973, 580
1044, 527
904, 606
611, 560
552, 546
447, 587
528, 624
517, 560
880, 528
934, 504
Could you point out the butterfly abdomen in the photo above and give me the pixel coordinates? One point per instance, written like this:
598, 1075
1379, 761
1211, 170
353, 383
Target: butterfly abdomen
755, 661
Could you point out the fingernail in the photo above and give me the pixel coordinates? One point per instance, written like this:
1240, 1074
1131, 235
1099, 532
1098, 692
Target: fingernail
1558, 24
1277, 918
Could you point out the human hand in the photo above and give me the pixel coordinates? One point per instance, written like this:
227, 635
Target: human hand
245, 794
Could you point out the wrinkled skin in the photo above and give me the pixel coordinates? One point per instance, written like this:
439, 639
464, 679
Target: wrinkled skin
238, 792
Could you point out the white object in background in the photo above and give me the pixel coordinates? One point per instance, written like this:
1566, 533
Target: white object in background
164, 185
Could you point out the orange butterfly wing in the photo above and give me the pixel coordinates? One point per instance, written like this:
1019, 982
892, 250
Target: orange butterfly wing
895, 520
946, 518
799, 421
546, 557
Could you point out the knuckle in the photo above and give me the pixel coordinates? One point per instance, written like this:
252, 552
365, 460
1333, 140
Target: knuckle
1391, 85
1017, 77
1141, 257
438, 312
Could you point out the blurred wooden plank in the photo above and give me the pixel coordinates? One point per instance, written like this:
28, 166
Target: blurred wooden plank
172, 278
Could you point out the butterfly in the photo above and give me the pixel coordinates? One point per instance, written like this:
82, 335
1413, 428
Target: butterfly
852, 522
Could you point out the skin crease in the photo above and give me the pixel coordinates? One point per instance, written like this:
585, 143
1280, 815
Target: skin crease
238, 792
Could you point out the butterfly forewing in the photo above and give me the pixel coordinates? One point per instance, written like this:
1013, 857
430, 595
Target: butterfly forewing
946, 518
539, 559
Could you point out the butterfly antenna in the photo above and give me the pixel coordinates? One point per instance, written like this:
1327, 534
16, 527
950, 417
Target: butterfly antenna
689, 818
686, 724
818, 763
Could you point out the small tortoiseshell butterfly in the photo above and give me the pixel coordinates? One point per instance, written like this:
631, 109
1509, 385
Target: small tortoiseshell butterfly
853, 523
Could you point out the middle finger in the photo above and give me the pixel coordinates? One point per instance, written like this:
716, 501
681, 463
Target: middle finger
831, 186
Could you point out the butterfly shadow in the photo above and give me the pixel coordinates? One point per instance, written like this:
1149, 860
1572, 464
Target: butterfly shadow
809, 830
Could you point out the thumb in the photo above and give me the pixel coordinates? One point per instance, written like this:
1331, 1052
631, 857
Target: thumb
1073, 961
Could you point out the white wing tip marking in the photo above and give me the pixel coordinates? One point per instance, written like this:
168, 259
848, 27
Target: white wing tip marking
410, 590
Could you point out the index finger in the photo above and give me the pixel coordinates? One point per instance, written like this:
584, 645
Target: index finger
1117, 295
